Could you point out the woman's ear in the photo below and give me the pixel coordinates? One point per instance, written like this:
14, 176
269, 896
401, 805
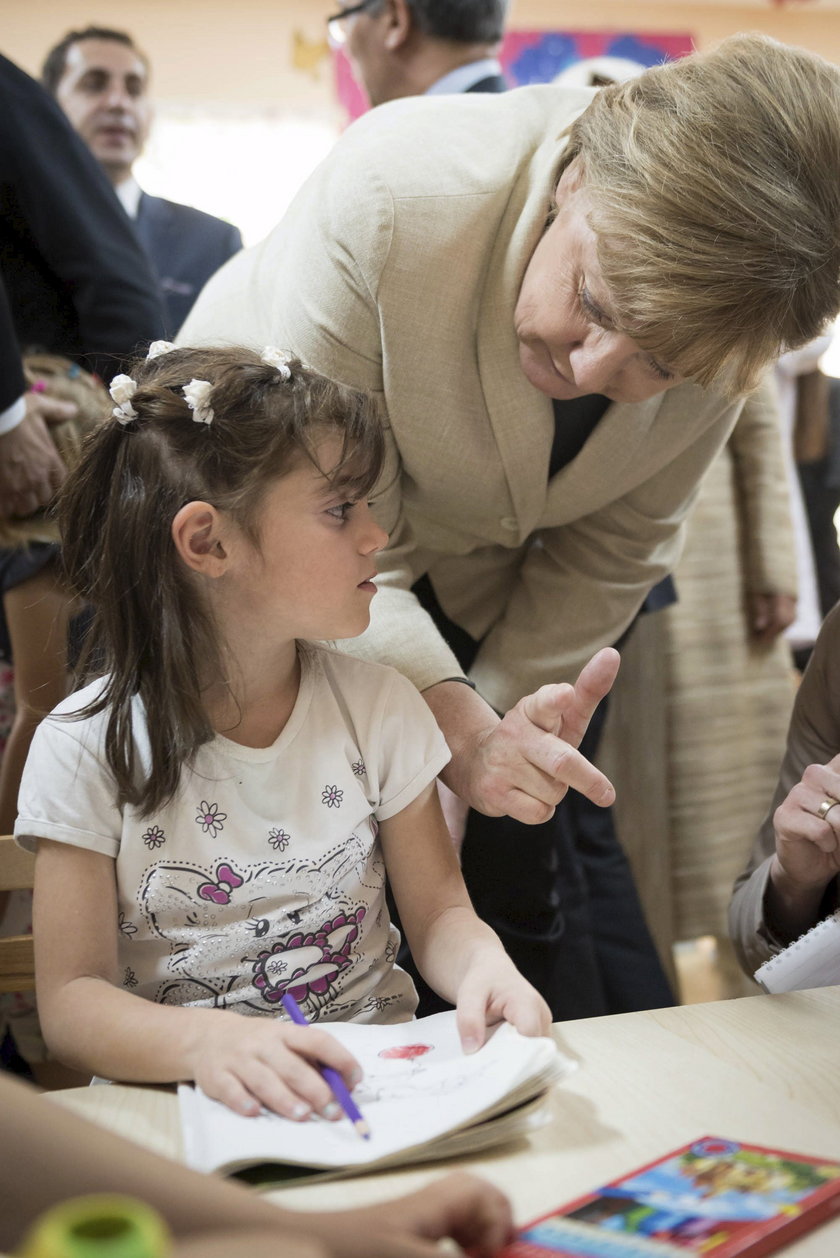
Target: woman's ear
199, 534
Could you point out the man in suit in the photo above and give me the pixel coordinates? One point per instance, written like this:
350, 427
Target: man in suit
101, 81
446, 257
74, 279
422, 47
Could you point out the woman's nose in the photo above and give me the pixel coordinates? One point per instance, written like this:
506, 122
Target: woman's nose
596, 363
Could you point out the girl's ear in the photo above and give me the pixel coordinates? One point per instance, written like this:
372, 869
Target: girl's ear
199, 535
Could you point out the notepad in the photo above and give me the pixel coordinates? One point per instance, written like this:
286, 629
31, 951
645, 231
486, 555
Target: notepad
422, 1098
812, 960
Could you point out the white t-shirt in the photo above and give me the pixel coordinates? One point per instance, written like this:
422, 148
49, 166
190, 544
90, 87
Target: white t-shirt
263, 873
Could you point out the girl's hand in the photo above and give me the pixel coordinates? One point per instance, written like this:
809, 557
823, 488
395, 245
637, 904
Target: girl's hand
248, 1063
492, 991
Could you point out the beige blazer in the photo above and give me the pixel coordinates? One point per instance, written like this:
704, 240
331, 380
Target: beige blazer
397, 269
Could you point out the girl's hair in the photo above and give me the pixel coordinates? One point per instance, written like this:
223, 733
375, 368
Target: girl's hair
152, 633
59, 378
716, 202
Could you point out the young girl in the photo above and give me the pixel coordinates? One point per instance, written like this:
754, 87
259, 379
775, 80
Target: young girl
214, 816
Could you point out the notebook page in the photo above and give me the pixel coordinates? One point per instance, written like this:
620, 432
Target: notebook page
813, 960
417, 1086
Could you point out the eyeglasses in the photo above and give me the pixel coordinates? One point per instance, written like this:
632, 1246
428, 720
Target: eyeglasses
335, 29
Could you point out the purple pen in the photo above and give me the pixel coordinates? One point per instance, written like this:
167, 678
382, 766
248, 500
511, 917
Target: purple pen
332, 1077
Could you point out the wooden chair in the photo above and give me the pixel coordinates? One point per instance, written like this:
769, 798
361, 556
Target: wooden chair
17, 953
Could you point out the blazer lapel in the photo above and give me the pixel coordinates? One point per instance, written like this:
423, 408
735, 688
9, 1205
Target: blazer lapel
610, 452
513, 404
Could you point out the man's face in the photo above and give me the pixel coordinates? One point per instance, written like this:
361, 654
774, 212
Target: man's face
103, 92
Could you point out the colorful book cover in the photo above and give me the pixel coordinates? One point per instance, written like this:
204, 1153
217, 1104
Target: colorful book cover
714, 1197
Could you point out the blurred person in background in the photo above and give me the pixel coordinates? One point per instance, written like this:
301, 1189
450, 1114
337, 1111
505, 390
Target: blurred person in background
422, 47
73, 280
100, 78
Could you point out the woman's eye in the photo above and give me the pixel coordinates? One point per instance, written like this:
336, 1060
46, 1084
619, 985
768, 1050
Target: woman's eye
591, 310
661, 372
340, 511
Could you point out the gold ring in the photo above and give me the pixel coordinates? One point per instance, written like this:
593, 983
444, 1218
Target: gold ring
826, 807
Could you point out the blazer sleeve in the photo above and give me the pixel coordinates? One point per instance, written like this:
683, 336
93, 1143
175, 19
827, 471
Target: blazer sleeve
68, 216
763, 495
813, 738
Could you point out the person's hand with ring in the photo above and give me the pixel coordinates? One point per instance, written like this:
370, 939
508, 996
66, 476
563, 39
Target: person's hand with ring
807, 857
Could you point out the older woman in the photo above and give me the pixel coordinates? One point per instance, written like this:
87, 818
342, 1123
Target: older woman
560, 299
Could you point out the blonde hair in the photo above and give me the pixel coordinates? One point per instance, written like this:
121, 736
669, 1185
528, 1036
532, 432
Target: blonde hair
59, 378
715, 194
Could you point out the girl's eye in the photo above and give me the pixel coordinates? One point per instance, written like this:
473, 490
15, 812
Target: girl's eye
340, 512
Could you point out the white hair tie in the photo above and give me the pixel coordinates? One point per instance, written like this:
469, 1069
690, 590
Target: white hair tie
196, 394
122, 390
159, 347
277, 358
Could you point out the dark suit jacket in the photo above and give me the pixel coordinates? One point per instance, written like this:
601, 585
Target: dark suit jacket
185, 246
77, 281
12, 383
493, 83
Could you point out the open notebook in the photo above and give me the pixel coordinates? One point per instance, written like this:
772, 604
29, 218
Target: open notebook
421, 1097
812, 960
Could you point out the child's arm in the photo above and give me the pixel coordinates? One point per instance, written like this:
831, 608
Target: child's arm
91, 1023
457, 953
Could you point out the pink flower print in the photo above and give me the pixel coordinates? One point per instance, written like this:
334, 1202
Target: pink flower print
332, 796
154, 837
306, 965
358, 768
405, 1052
209, 818
278, 839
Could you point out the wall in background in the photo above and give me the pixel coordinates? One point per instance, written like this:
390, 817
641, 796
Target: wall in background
273, 52
245, 96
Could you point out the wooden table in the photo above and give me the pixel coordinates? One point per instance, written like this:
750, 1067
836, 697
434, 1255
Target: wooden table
764, 1070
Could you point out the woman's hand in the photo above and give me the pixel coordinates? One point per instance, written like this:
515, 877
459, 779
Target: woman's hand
770, 615
807, 849
807, 845
523, 765
491, 991
248, 1063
